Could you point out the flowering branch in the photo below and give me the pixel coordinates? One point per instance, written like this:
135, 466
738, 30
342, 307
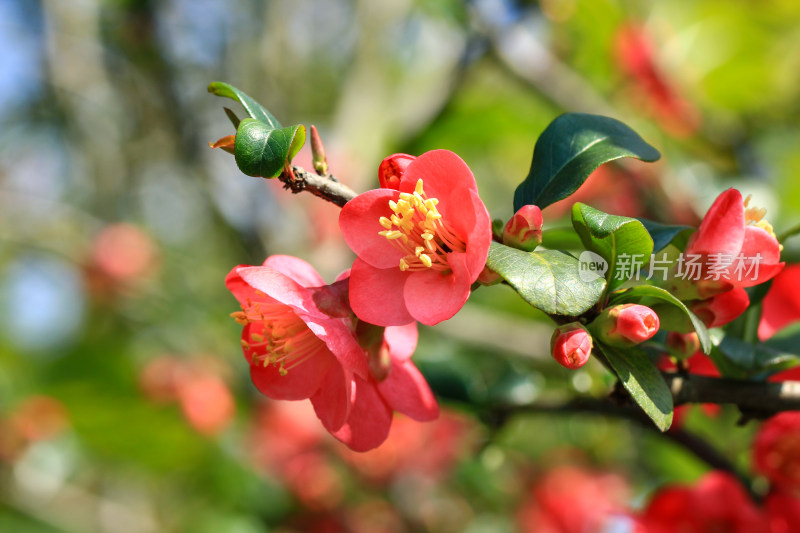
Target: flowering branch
326, 187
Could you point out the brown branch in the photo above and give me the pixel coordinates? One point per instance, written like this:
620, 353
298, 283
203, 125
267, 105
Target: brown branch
497, 416
325, 187
756, 398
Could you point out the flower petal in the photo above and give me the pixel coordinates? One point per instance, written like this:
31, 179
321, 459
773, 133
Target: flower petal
432, 297
296, 269
340, 339
376, 295
369, 421
474, 225
722, 228
360, 227
781, 305
280, 287
332, 401
442, 173
402, 340
239, 287
299, 383
407, 392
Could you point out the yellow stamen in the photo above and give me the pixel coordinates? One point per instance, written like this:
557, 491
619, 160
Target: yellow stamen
755, 216
418, 229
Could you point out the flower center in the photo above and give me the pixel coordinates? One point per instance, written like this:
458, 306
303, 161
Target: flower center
277, 336
755, 216
417, 228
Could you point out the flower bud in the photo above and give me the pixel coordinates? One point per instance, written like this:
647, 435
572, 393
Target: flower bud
722, 308
571, 345
392, 169
318, 153
626, 325
683, 345
524, 229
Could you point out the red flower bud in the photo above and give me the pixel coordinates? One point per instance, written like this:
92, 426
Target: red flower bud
392, 169
571, 345
524, 230
683, 345
722, 308
626, 325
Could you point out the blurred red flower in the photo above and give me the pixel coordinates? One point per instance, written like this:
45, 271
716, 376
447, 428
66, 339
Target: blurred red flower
776, 449
716, 503
571, 500
421, 246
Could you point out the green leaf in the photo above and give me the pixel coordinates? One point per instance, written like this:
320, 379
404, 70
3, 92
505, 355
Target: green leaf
570, 149
643, 381
547, 279
253, 108
636, 294
263, 151
665, 234
738, 358
611, 236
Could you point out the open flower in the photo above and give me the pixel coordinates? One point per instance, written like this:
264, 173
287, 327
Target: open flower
421, 246
735, 246
302, 342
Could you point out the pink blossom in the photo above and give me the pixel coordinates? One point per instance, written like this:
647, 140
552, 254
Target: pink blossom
420, 246
721, 308
776, 449
301, 343
392, 169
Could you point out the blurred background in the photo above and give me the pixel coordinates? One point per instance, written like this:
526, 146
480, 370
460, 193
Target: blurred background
125, 402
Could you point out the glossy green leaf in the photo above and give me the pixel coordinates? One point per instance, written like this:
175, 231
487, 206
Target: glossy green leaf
570, 149
636, 294
263, 151
253, 108
665, 234
643, 381
737, 358
548, 280
611, 236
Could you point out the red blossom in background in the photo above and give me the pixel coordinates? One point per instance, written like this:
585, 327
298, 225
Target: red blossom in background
716, 503
781, 306
300, 346
776, 450
570, 500
420, 246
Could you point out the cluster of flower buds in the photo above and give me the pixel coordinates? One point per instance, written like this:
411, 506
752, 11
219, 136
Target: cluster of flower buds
622, 326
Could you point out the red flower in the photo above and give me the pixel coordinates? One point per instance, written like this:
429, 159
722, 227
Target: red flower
302, 343
569, 500
776, 449
421, 246
781, 305
717, 503
571, 345
735, 245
